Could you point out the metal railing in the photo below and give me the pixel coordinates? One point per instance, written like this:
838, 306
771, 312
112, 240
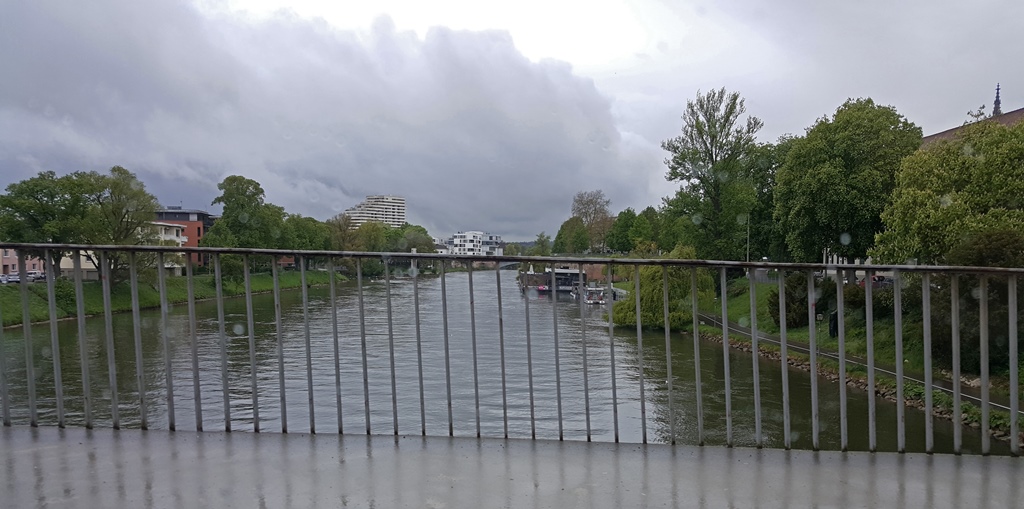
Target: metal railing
662, 391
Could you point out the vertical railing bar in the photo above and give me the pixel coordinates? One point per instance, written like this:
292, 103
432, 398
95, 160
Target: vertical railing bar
784, 355
26, 327
501, 352
140, 379
698, 389
391, 344
447, 352
251, 326
901, 418
926, 311
109, 323
841, 324
812, 320
756, 373
419, 344
726, 373
336, 340
869, 317
954, 289
610, 303
194, 344
558, 365
83, 351
5, 404
222, 330
472, 335
986, 439
279, 329
362, 340
58, 379
640, 352
583, 342
668, 355
529, 364
164, 336
309, 344
1014, 369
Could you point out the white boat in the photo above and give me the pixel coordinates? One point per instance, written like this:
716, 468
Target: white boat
591, 295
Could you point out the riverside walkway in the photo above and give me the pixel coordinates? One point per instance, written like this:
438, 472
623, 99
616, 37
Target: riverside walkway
51, 467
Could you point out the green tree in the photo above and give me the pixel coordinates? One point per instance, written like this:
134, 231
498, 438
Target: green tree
707, 160
512, 249
641, 231
342, 233
836, 180
572, 237
120, 214
762, 164
679, 295
47, 209
592, 208
541, 246
952, 189
250, 220
618, 236
307, 234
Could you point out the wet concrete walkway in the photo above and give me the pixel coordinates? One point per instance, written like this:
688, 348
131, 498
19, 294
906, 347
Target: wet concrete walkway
50, 467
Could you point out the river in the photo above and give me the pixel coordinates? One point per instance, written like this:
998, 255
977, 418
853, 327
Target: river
575, 332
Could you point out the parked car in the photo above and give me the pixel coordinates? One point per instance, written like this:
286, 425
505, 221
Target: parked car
35, 275
3, 279
13, 278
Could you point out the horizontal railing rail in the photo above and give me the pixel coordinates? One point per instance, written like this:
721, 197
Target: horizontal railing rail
450, 338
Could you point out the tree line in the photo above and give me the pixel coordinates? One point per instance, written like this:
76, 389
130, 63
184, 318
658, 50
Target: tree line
115, 208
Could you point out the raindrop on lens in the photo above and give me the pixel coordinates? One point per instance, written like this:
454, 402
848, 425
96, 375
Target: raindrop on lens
845, 239
945, 201
243, 217
976, 293
697, 218
238, 329
744, 321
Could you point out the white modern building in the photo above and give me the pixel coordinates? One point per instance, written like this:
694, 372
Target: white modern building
385, 209
473, 243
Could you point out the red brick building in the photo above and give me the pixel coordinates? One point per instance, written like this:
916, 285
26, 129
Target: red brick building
196, 223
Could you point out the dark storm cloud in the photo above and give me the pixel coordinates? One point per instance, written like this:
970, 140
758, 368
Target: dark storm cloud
795, 61
473, 134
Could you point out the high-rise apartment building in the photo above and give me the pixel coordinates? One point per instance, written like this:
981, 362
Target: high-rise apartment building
386, 209
473, 243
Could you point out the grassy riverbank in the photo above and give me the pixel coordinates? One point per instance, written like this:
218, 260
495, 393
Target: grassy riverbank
738, 305
121, 299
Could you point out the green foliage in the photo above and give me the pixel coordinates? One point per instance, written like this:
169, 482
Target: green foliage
796, 303
618, 237
247, 220
642, 231
993, 248
951, 189
707, 158
592, 208
541, 246
572, 237
836, 180
46, 209
307, 234
652, 294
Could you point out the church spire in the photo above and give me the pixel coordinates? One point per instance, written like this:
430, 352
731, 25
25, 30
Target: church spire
996, 110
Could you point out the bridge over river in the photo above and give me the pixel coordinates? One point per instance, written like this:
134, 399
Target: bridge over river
453, 390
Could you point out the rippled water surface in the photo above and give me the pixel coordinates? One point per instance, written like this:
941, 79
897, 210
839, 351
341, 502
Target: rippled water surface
580, 377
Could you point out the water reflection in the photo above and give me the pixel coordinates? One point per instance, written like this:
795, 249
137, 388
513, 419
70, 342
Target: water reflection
574, 328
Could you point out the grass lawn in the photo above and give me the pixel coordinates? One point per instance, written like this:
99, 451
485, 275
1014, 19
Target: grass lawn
149, 295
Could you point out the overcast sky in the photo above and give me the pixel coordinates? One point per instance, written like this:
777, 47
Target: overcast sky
482, 117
